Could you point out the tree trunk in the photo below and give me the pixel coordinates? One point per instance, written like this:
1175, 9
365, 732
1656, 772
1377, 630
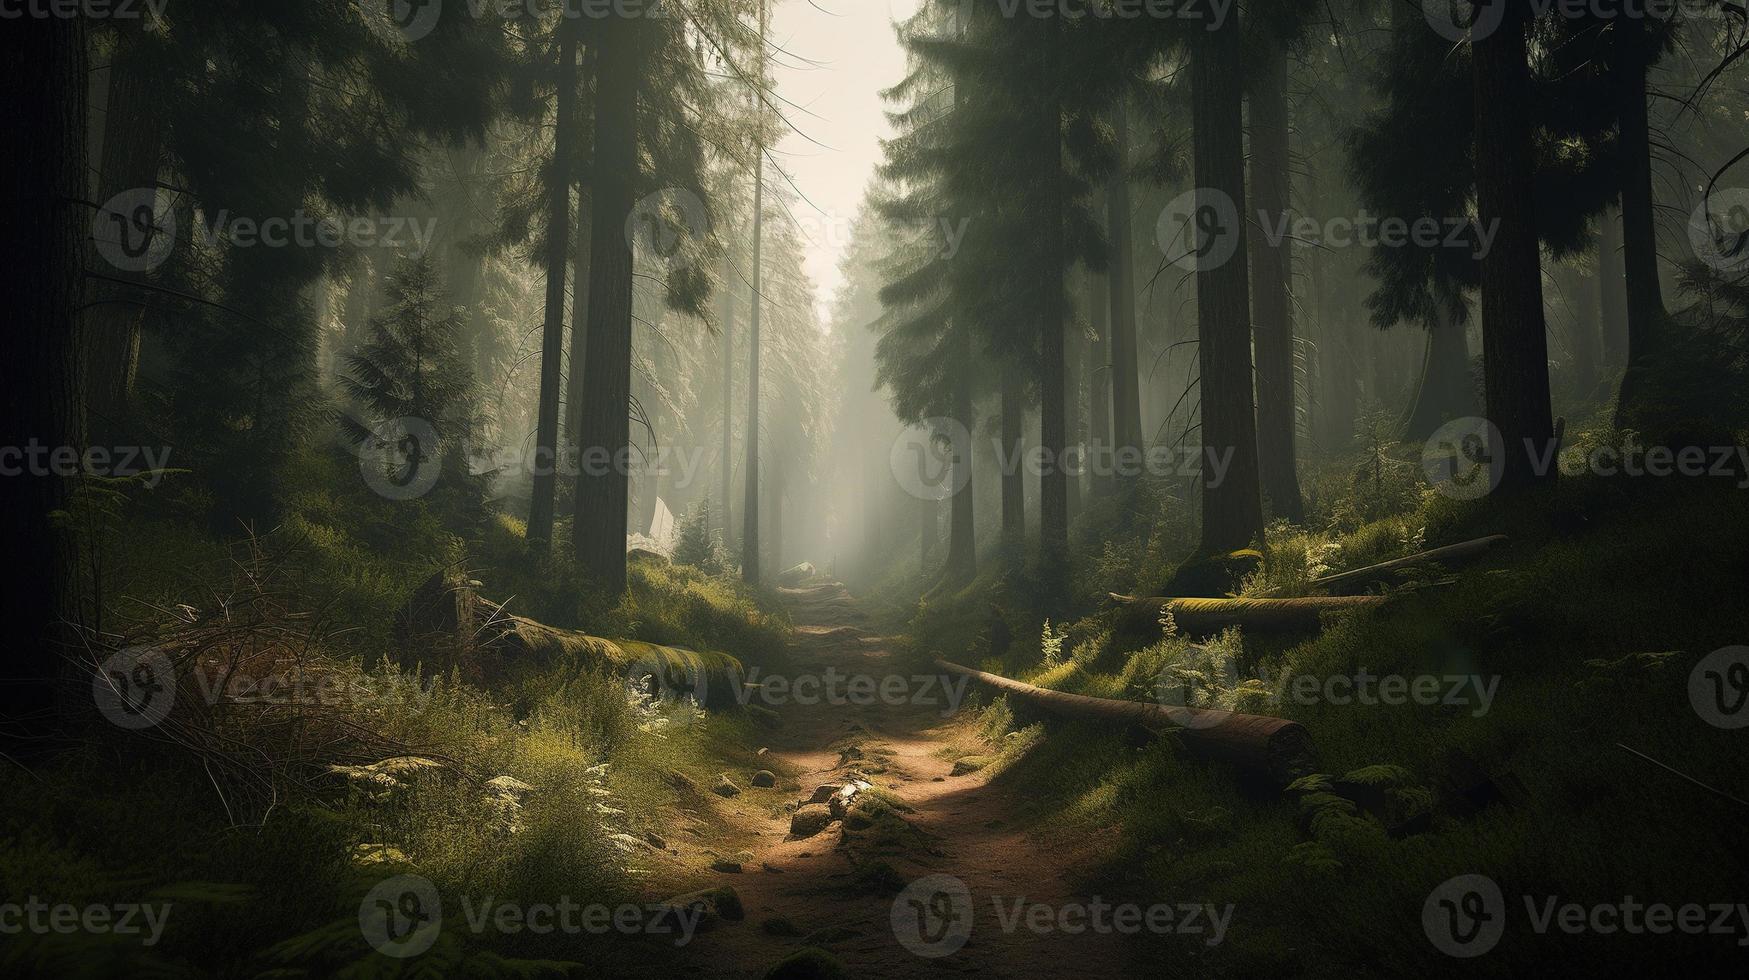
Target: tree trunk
599, 531
1126, 403
1099, 387
1232, 507
133, 139
1612, 297
579, 318
1444, 391
1013, 441
726, 462
962, 545
1585, 335
1053, 435
546, 441
1645, 300
1515, 355
1272, 266
45, 241
750, 494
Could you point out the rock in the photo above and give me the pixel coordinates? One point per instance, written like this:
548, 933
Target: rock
762, 750
823, 793
770, 868
681, 782
714, 905
848, 753
796, 574
808, 964
726, 867
655, 841
969, 764
726, 788
765, 778
810, 820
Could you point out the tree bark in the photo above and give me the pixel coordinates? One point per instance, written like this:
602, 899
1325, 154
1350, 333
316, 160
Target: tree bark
962, 546
579, 318
1126, 404
1444, 391
1053, 419
1013, 440
1612, 297
1271, 265
546, 442
1232, 507
726, 463
602, 482
1515, 356
1645, 299
133, 128
750, 493
1099, 387
43, 243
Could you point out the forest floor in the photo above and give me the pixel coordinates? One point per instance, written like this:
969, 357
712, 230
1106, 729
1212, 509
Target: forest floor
848, 891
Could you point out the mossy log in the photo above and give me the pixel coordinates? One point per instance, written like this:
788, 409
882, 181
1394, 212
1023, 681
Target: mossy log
1206, 617
1276, 746
1358, 580
446, 622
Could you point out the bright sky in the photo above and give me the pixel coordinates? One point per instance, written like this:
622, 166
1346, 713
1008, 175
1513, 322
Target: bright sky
835, 57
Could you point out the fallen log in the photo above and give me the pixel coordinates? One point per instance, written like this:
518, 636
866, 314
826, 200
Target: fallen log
1276, 746
447, 623
1206, 617
1357, 580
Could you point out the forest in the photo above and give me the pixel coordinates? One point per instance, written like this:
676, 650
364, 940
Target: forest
875, 488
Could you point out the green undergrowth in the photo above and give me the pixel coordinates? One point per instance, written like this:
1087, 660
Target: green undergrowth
265, 824
1583, 633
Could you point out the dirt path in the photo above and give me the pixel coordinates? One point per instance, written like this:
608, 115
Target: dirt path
839, 882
